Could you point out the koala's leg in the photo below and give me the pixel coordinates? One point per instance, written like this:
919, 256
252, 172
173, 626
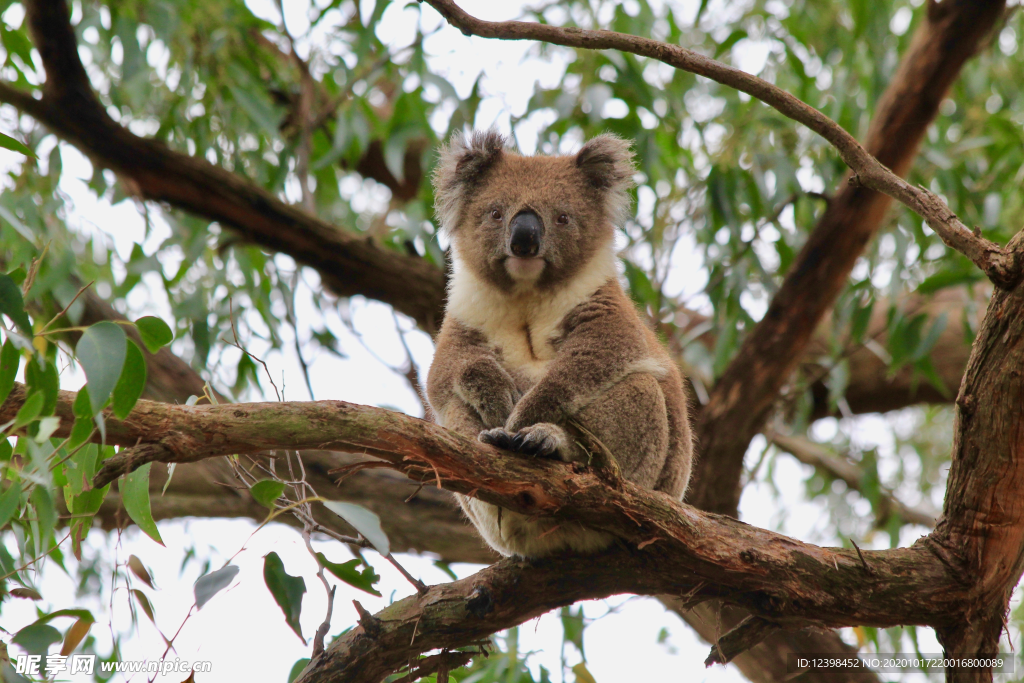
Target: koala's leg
675, 476
631, 420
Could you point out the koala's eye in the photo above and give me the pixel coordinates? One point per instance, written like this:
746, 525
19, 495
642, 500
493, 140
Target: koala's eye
496, 215
562, 219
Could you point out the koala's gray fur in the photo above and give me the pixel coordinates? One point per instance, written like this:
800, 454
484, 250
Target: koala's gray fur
534, 347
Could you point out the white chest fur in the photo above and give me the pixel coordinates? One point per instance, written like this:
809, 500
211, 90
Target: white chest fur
521, 325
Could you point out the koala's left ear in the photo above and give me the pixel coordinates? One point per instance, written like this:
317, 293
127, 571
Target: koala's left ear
607, 162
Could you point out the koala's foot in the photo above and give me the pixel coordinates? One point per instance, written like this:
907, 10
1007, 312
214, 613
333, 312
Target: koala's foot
543, 439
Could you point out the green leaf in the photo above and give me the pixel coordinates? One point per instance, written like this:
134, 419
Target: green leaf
348, 572
7, 142
76, 613
286, 589
10, 360
210, 584
12, 304
446, 568
572, 627
297, 668
82, 429
144, 603
135, 496
154, 332
37, 638
131, 383
29, 410
950, 278
101, 351
43, 377
44, 509
363, 521
9, 503
267, 491
80, 432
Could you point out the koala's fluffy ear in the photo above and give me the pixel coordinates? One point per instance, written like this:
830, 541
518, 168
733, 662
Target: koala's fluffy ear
463, 162
607, 164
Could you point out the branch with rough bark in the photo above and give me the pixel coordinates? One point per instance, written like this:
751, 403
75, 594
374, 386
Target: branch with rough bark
790, 582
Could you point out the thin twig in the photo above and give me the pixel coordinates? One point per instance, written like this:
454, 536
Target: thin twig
420, 587
864, 562
66, 308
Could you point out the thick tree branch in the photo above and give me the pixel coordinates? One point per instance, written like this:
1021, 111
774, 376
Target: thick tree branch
982, 525
348, 264
784, 580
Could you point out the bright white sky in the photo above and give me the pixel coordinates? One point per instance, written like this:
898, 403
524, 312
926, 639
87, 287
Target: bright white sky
241, 630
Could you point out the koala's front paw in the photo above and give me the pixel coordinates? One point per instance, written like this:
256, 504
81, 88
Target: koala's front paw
543, 439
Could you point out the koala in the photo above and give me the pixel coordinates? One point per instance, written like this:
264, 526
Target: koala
541, 352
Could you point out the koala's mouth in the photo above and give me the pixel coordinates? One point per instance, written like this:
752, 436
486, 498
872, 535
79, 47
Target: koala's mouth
524, 268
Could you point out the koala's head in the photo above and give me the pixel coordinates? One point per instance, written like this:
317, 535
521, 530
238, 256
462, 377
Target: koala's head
531, 222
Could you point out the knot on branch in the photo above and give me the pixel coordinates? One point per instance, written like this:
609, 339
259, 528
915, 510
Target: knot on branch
130, 459
371, 625
480, 603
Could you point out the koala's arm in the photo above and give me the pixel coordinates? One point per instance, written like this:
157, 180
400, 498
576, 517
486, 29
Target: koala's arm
467, 387
604, 341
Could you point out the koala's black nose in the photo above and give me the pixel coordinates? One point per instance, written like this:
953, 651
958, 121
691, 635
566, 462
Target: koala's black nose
526, 229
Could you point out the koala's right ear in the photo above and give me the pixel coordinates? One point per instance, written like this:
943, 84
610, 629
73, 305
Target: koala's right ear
463, 162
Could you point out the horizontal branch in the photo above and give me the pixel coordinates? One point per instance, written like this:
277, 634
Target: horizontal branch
783, 580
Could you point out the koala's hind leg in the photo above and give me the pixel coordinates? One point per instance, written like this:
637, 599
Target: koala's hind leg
631, 421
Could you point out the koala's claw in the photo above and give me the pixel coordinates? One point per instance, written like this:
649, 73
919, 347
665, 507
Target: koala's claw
542, 440
537, 440
496, 437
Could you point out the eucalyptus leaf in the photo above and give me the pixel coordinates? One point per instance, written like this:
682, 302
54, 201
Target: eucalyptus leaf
9, 502
10, 361
12, 304
101, 351
267, 491
29, 410
349, 573
286, 589
364, 521
7, 142
132, 382
154, 332
210, 584
36, 638
135, 497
